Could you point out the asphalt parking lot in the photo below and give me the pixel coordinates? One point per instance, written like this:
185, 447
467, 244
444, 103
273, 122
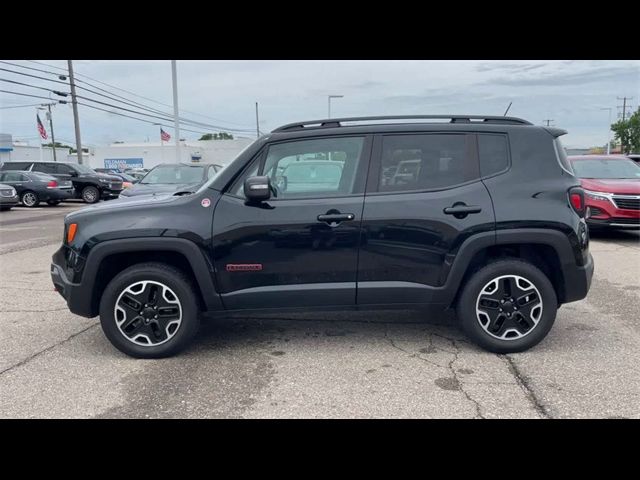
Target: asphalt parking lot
391, 364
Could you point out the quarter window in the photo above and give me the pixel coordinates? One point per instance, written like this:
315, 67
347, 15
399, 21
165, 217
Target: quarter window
424, 162
494, 153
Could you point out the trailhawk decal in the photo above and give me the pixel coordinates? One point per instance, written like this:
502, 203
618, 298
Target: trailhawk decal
244, 267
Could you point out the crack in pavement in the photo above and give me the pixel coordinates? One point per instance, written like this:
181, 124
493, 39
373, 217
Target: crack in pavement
51, 347
449, 366
526, 388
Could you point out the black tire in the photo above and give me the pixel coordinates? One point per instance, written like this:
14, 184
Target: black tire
53, 203
90, 194
171, 277
30, 199
471, 322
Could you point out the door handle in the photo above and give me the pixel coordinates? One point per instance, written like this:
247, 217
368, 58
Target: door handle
461, 210
336, 217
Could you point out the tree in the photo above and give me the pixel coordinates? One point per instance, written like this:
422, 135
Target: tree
216, 136
58, 145
628, 133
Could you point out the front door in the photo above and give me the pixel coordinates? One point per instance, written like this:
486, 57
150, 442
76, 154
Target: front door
300, 248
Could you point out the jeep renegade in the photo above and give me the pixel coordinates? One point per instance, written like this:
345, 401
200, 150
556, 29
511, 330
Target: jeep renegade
479, 214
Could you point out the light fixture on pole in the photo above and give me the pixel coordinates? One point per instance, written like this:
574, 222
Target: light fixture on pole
609, 130
329, 97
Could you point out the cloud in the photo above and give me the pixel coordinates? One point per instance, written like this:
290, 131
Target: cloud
565, 79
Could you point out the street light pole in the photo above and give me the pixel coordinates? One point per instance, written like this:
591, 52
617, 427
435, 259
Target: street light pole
609, 130
329, 97
174, 76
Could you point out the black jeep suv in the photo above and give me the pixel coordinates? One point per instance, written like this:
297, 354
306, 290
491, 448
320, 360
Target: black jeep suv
479, 214
88, 184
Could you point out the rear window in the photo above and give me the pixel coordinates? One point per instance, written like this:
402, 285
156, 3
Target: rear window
16, 165
561, 154
493, 150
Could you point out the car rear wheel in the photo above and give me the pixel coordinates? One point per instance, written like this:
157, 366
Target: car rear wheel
150, 311
30, 199
507, 306
90, 194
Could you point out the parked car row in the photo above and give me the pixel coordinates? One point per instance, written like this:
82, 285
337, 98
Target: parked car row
53, 182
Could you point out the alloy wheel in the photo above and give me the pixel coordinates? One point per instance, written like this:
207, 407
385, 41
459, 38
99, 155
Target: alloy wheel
29, 199
148, 313
509, 307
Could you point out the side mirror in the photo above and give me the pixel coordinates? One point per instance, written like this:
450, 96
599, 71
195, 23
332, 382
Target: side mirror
73, 173
257, 189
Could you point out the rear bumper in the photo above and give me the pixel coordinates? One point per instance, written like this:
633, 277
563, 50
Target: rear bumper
55, 194
577, 280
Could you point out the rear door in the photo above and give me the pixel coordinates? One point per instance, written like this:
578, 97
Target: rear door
17, 180
424, 198
300, 248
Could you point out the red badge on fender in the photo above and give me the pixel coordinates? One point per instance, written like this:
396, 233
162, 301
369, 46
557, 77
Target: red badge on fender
205, 202
244, 267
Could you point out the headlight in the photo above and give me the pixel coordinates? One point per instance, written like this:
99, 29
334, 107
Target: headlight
13, 192
597, 195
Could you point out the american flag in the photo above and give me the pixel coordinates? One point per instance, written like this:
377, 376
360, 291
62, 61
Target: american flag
164, 136
43, 132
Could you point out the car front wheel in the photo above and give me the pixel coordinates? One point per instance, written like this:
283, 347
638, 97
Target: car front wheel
150, 311
90, 194
507, 306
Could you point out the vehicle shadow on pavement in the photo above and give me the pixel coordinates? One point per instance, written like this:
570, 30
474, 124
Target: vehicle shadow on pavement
626, 236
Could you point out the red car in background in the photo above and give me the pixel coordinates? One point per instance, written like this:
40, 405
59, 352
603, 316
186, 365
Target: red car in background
611, 185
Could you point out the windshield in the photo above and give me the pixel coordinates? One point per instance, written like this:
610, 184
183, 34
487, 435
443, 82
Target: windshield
83, 168
606, 168
173, 175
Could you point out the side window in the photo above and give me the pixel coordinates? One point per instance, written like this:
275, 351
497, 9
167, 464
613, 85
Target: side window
323, 167
44, 167
493, 151
425, 161
14, 177
62, 169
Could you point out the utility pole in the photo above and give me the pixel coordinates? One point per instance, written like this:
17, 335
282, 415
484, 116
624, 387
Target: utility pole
624, 106
257, 123
53, 138
174, 76
548, 122
609, 130
76, 119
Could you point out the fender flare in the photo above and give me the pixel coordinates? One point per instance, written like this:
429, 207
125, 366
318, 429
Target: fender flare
195, 256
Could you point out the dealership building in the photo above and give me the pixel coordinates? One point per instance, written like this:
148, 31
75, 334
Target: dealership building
125, 155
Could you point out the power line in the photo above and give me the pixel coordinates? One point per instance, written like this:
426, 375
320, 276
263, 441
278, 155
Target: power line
139, 96
21, 106
136, 118
62, 94
30, 68
27, 95
33, 76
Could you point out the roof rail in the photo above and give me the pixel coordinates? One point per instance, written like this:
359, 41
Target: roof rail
337, 122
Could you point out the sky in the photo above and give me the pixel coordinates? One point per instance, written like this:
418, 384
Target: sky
572, 93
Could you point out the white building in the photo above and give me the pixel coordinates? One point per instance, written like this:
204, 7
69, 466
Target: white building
150, 154
146, 155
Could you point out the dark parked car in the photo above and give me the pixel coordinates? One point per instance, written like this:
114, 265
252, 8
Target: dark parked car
171, 178
88, 184
635, 157
35, 187
612, 190
489, 222
8, 197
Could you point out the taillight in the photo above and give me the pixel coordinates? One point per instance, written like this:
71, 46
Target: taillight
52, 184
576, 200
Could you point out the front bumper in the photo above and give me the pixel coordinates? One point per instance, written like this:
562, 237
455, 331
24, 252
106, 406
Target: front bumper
606, 214
77, 296
108, 193
9, 201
